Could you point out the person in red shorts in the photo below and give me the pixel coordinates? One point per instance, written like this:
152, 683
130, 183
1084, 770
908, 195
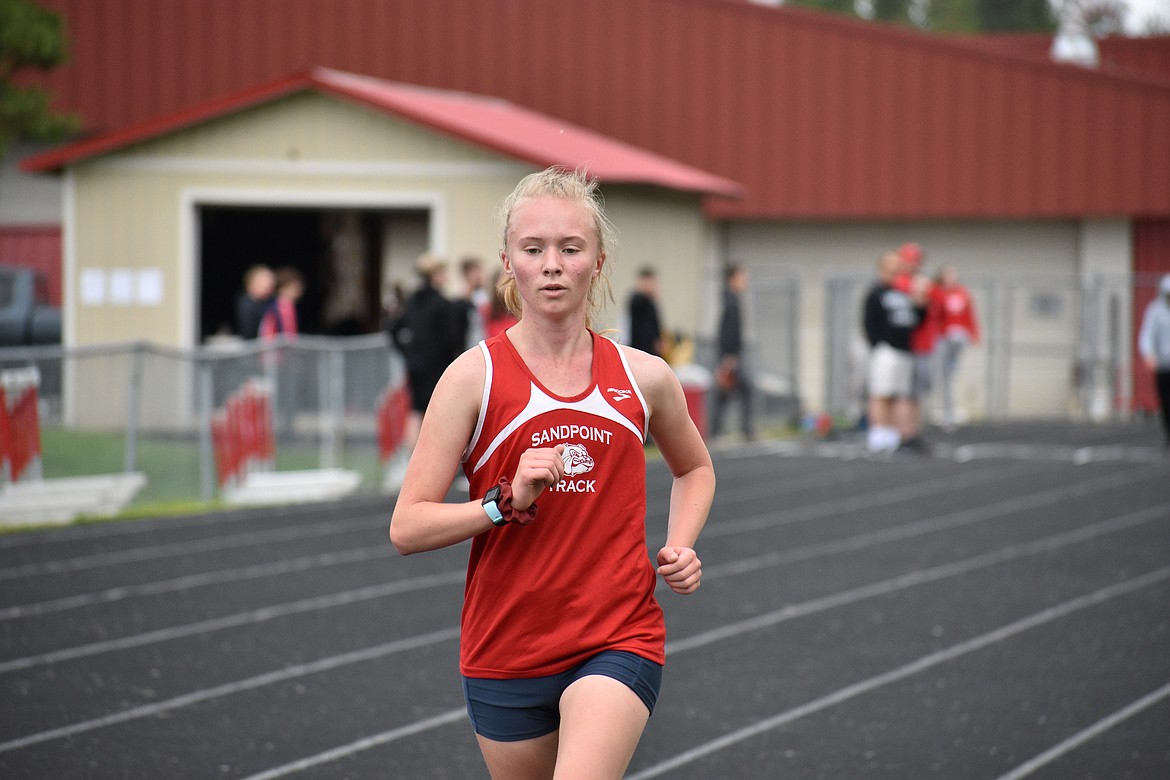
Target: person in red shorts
562, 641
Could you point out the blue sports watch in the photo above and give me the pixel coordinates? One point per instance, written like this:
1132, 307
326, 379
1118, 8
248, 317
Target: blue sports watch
491, 505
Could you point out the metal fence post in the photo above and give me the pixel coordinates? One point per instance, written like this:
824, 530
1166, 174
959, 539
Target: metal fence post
838, 332
331, 392
1088, 351
997, 334
207, 479
133, 408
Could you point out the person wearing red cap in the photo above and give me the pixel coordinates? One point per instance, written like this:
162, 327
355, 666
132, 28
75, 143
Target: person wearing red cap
911, 254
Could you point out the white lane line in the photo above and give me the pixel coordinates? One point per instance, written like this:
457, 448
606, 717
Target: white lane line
238, 686
110, 595
915, 490
238, 619
173, 549
883, 588
450, 716
1030, 501
1083, 736
922, 576
829, 602
349, 597
375, 521
754, 487
902, 672
119, 593
121, 528
963, 453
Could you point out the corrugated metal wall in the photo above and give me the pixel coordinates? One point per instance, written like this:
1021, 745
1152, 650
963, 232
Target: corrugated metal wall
819, 116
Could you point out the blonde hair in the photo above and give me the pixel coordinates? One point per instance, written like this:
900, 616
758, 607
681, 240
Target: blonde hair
574, 185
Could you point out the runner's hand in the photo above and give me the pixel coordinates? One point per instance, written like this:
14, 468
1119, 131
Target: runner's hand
538, 468
681, 569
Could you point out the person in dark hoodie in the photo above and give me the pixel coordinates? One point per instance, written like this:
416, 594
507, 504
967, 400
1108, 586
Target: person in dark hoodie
731, 373
429, 334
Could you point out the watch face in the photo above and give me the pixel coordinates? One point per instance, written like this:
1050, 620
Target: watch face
492, 495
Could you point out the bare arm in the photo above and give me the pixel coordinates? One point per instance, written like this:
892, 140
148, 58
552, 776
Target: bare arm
421, 520
688, 460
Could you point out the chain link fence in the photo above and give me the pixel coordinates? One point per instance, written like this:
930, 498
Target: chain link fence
147, 408
771, 312
1052, 346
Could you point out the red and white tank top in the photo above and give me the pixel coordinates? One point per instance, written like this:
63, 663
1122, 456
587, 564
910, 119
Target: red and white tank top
541, 598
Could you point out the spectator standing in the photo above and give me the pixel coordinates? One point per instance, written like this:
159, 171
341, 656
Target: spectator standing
280, 319
732, 376
429, 333
890, 317
254, 300
1154, 346
958, 329
645, 324
923, 340
562, 642
476, 300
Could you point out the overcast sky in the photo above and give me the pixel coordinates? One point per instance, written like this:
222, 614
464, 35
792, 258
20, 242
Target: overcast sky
1141, 10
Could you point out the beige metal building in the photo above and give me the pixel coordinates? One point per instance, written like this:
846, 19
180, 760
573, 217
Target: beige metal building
364, 172
430, 166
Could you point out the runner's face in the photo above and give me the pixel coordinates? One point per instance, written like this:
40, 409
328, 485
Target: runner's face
553, 252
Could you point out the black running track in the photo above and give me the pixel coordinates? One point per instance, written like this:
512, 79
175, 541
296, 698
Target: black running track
999, 608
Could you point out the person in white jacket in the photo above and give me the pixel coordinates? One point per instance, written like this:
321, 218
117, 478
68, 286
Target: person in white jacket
1154, 347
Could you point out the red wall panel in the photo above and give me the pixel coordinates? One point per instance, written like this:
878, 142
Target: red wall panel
818, 115
37, 247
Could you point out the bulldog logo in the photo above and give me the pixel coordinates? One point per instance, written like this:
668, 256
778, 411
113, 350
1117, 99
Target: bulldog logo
577, 460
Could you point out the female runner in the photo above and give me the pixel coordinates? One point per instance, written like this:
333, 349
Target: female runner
562, 641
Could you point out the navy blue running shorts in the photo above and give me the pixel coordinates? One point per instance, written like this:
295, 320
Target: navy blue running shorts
527, 708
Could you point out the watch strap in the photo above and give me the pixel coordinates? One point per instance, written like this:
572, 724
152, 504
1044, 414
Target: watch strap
494, 513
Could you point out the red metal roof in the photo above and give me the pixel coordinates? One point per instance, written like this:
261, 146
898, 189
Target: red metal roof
488, 122
820, 116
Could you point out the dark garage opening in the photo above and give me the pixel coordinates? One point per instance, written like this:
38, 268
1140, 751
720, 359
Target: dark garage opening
339, 252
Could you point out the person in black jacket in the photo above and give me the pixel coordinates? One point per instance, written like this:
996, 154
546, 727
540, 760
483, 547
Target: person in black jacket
645, 325
255, 300
731, 373
429, 333
890, 315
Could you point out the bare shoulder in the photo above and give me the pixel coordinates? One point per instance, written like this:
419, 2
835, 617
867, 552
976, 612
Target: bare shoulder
653, 374
461, 385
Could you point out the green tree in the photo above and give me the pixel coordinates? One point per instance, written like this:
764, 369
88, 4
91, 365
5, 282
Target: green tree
837, 6
1015, 16
952, 16
30, 37
896, 11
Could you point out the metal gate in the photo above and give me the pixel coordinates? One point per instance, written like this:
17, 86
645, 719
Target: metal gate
1053, 345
